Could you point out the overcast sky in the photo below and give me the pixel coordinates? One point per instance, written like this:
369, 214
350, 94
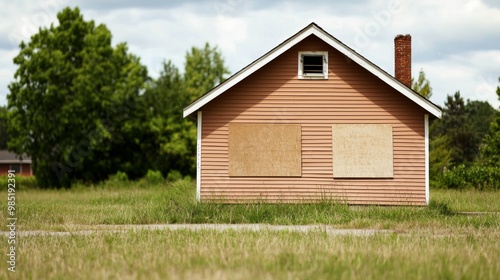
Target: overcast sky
456, 42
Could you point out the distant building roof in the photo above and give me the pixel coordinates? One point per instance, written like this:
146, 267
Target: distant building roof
9, 157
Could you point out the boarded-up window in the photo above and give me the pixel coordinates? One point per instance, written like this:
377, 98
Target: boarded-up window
362, 150
264, 150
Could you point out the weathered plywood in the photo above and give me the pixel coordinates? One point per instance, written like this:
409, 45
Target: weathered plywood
264, 150
362, 151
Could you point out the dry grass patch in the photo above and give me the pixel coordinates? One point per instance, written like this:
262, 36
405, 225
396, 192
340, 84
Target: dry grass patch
232, 254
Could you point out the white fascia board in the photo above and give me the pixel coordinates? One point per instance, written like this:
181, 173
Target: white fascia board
384, 76
15, 161
313, 29
250, 69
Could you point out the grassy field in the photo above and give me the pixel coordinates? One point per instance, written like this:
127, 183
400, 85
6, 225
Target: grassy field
175, 203
429, 242
259, 255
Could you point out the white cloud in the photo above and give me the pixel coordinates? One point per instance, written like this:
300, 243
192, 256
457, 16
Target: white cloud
231, 33
6, 73
456, 42
470, 73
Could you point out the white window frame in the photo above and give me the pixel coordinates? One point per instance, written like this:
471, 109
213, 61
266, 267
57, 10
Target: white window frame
320, 76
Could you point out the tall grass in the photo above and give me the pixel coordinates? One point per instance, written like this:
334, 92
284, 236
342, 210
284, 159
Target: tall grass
258, 255
145, 202
428, 243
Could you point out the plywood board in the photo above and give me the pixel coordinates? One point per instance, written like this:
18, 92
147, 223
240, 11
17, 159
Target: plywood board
264, 149
362, 151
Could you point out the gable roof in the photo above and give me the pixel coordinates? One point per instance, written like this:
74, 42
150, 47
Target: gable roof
313, 29
9, 157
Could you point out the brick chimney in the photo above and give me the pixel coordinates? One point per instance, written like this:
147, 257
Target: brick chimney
402, 59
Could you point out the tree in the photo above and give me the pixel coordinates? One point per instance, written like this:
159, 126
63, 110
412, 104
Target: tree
479, 114
465, 123
490, 149
440, 156
203, 70
422, 85
172, 146
73, 100
166, 97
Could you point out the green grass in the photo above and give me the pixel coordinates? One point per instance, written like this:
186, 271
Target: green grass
135, 203
468, 200
429, 242
258, 255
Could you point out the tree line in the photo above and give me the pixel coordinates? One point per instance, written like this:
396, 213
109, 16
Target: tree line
464, 143
84, 110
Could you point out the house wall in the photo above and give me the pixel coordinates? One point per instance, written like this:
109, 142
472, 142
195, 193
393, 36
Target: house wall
25, 169
351, 95
4, 168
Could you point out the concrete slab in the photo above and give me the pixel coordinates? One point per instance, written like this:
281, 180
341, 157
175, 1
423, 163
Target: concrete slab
199, 227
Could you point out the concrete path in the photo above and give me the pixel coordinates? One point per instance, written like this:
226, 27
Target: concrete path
218, 227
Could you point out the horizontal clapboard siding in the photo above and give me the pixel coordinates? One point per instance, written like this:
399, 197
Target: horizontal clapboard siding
351, 95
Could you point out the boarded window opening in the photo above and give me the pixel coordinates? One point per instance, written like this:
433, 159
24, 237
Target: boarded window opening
264, 150
362, 151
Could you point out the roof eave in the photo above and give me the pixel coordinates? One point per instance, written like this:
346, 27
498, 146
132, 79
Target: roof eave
312, 29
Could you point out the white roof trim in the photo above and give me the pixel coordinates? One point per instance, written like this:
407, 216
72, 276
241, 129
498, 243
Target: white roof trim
312, 29
15, 161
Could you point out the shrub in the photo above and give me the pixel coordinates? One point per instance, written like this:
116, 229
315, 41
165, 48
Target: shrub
471, 177
174, 175
119, 177
22, 182
154, 177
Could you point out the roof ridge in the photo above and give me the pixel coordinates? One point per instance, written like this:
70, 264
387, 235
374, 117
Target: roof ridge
312, 29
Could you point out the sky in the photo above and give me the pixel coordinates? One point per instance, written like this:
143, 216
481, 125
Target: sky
455, 42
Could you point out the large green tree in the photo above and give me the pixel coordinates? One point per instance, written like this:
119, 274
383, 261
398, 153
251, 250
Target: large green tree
465, 124
440, 156
440, 153
72, 103
203, 70
174, 149
490, 149
422, 85
172, 144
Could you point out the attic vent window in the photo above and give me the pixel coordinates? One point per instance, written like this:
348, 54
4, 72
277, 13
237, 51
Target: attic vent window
313, 65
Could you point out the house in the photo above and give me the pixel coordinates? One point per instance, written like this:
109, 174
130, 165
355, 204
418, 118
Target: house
311, 120
10, 161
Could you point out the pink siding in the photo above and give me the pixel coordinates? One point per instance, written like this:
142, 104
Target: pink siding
350, 95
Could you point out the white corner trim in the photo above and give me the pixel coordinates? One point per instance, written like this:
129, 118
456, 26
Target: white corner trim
426, 132
198, 156
312, 29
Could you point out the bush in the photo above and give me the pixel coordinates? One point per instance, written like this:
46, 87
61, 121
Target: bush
119, 177
154, 177
22, 182
174, 175
471, 177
